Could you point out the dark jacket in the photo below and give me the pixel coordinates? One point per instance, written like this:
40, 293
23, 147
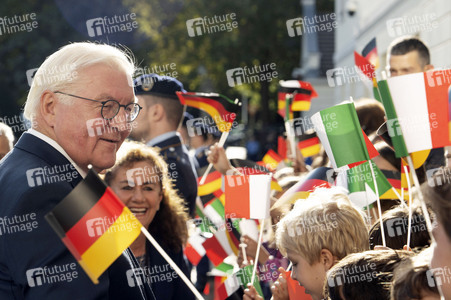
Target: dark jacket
180, 170
165, 282
34, 263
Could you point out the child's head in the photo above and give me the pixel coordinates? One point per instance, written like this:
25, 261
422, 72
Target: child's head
395, 222
412, 279
365, 275
319, 231
437, 192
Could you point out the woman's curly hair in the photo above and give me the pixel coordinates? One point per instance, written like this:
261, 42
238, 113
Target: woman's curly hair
169, 223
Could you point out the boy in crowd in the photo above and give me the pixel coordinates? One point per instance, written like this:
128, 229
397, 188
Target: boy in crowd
316, 234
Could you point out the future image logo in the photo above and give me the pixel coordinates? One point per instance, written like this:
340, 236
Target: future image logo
317, 23
253, 74
410, 25
111, 25
210, 25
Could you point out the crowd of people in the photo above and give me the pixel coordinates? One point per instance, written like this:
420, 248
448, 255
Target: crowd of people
331, 246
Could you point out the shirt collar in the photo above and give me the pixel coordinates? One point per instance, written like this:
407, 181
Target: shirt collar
162, 137
55, 145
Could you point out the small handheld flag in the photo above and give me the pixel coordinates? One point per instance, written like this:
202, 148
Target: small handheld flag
417, 116
320, 177
222, 109
343, 139
301, 92
91, 221
272, 159
247, 196
309, 145
370, 53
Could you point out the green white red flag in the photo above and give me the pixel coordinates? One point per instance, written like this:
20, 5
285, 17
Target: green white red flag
343, 139
247, 196
417, 109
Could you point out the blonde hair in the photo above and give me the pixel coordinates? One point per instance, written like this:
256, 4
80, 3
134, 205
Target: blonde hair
325, 220
60, 70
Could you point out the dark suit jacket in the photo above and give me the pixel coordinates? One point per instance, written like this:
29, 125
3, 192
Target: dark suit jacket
180, 170
34, 263
165, 282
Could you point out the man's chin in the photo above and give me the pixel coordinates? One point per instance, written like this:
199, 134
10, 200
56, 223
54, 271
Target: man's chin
103, 164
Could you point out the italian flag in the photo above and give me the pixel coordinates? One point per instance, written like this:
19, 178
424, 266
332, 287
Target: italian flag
214, 210
361, 184
417, 108
218, 247
228, 287
194, 250
340, 133
247, 196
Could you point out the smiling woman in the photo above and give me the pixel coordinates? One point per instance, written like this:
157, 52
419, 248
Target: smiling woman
140, 179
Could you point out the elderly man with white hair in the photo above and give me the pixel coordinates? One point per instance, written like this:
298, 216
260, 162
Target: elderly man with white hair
81, 104
6, 139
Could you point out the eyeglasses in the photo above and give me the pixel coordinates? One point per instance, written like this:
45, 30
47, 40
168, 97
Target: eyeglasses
110, 108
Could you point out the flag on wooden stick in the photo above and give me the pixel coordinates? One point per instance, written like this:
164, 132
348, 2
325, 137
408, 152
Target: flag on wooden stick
94, 225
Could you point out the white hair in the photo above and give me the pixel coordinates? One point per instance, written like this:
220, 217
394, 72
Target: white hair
62, 67
7, 132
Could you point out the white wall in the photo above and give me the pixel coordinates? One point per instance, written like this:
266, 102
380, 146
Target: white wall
370, 20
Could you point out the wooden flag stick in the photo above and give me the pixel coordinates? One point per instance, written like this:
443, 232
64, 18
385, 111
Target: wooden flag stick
427, 218
259, 244
172, 263
409, 228
378, 203
221, 143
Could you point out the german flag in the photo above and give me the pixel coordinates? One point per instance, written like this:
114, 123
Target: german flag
212, 183
395, 178
309, 145
272, 159
222, 109
370, 53
364, 65
94, 225
301, 190
301, 91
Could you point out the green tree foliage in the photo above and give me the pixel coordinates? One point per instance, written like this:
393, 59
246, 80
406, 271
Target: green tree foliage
162, 38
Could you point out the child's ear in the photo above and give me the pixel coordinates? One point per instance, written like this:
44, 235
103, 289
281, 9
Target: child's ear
327, 259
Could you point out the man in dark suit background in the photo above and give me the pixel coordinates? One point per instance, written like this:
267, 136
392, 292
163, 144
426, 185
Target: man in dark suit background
157, 126
81, 104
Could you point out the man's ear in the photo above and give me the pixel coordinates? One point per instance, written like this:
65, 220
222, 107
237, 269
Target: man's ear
156, 112
327, 259
47, 106
428, 68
